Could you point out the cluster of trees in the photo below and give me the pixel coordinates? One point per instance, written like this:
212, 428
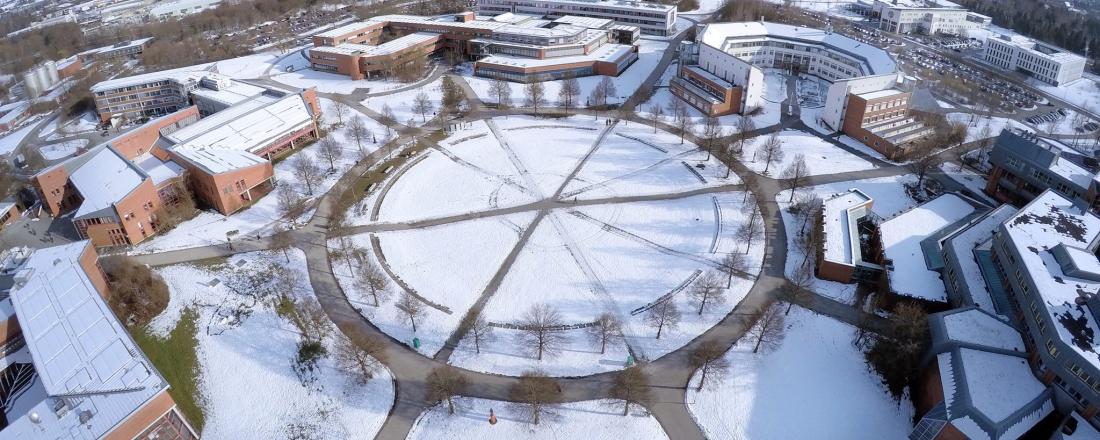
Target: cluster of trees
137, 293
535, 95
897, 357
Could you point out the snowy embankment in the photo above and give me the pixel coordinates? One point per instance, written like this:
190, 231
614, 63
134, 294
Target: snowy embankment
246, 350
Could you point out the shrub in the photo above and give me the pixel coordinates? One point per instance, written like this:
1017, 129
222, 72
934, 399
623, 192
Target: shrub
137, 293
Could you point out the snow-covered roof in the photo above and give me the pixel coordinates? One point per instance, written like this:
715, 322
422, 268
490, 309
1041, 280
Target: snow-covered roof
347, 29
1040, 49
901, 238
79, 350
1046, 222
118, 46
159, 170
841, 238
608, 53
974, 326
104, 179
880, 94
878, 61
245, 128
235, 93
14, 112
181, 75
387, 48
586, 22
961, 248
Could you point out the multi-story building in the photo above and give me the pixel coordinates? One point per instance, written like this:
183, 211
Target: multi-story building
722, 72
651, 18
1046, 258
123, 50
843, 219
116, 190
927, 17
1024, 165
512, 47
70, 368
1036, 59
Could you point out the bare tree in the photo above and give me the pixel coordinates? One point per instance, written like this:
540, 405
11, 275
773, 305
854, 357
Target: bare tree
443, 384
707, 291
360, 353
341, 111
570, 92
924, 162
681, 116
632, 387
801, 287
749, 232
663, 315
609, 86
743, 131
773, 151
388, 116
535, 391
795, 175
369, 277
732, 264
711, 135
422, 104
306, 315
452, 95
769, 329
710, 359
536, 95
656, 114
411, 308
480, 330
608, 328
281, 240
306, 171
358, 131
539, 329
597, 98
331, 151
502, 91
985, 136
290, 202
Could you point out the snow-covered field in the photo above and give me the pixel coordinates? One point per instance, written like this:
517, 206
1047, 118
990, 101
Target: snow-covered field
821, 157
610, 255
248, 387
1084, 92
890, 199
815, 385
593, 420
976, 124
403, 103
649, 54
62, 150
209, 227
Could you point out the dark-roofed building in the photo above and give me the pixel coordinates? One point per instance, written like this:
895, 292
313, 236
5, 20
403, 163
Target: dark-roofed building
1025, 165
1045, 256
976, 382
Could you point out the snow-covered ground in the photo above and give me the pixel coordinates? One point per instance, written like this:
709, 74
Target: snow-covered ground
248, 387
209, 227
593, 420
402, 103
706, 7
9, 142
614, 257
890, 199
86, 123
62, 150
649, 55
1069, 124
815, 385
775, 92
821, 157
1084, 92
968, 178
976, 124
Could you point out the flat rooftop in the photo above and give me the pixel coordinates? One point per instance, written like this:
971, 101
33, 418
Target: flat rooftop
608, 53
901, 238
841, 237
181, 75
877, 60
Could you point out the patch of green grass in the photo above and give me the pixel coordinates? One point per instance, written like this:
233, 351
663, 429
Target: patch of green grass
176, 359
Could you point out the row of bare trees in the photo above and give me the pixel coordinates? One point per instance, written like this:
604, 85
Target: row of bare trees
535, 95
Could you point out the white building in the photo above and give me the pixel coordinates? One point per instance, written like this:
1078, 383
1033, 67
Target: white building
651, 18
927, 17
179, 8
39, 79
1041, 61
